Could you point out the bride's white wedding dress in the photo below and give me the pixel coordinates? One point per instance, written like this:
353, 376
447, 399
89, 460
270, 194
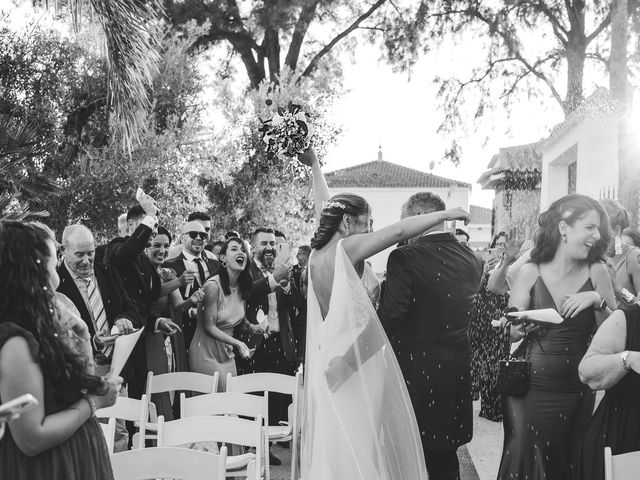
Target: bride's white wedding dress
358, 422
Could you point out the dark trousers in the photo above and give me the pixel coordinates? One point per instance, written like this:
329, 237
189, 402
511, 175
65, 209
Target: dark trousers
269, 357
442, 465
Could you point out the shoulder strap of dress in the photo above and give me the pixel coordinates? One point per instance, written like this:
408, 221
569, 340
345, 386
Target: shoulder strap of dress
539, 273
589, 271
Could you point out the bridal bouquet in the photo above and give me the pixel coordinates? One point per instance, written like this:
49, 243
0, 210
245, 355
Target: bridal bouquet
288, 132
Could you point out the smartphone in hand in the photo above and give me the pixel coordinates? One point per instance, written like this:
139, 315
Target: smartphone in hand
283, 253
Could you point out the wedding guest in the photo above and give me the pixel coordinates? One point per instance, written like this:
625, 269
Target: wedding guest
274, 295
299, 313
141, 280
215, 248
59, 438
231, 234
612, 363
169, 305
203, 219
487, 345
223, 308
192, 259
426, 311
624, 259
543, 428
97, 292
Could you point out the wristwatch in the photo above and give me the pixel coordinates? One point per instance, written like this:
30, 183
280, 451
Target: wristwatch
601, 306
624, 356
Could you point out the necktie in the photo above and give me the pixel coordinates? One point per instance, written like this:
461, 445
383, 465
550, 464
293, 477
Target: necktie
200, 271
99, 315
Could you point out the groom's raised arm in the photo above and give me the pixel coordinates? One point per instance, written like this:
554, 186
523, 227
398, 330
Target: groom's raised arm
398, 295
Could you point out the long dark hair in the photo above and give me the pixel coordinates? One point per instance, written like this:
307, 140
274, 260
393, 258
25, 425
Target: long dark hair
332, 214
618, 215
245, 282
568, 208
27, 299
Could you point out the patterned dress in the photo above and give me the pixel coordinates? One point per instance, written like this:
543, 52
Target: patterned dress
487, 348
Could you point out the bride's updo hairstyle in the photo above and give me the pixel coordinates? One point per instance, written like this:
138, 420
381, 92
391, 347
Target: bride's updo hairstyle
568, 208
332, 214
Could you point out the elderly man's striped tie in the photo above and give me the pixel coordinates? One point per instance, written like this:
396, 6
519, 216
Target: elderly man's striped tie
99, 315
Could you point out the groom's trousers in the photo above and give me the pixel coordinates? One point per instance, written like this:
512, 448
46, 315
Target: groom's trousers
442, 465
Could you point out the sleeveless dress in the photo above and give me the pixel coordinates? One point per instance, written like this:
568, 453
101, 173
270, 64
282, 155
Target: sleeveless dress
358, 421
616, 423
623, 278
543, 429
208, 355
487, 348
83, 455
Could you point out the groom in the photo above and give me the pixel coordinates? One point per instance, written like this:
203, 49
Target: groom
425, 310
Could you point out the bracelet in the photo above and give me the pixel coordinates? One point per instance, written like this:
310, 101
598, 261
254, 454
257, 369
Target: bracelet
92, 404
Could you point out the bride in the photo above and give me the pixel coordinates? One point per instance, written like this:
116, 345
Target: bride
358, 422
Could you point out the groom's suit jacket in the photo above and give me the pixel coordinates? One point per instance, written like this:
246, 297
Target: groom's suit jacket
426, 310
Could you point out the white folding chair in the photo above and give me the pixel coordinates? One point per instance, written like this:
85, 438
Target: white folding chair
218, 428
176, 381
275, 382
229, 403
621, 467
174, 463
132, 410
109, 431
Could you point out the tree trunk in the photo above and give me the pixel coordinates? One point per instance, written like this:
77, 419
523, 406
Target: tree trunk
271, 46
576, 54
618, 61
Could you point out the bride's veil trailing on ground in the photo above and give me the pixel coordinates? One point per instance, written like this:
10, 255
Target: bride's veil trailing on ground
358, 422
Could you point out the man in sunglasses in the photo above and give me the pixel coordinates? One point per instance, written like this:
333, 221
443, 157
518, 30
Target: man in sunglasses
205, 220
193, 259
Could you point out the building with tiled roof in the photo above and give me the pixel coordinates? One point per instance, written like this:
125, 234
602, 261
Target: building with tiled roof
387, 186
593, 152
382, 174
514, 173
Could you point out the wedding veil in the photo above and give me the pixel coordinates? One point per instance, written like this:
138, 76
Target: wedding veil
358, 421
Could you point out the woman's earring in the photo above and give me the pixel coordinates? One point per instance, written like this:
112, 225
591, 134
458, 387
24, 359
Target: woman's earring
224, 264
564, 237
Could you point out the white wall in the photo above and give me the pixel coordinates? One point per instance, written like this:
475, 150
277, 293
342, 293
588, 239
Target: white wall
386, 204
479, 235
597, 157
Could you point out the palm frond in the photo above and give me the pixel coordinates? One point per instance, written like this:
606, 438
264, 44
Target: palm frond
132, 33
12, 208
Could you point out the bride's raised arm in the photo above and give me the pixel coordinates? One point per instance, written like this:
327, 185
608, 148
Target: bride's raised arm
320, 188
362, 246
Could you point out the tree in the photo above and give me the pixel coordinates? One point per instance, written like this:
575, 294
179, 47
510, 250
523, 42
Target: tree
256, 31
532, 44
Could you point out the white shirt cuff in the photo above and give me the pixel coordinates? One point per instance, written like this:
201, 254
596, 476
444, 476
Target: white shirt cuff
150, 221
272, 282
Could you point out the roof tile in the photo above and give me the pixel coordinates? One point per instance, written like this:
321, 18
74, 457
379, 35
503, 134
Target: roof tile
382, 174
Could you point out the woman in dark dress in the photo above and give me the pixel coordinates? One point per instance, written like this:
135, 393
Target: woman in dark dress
59, 438
612, 363
543, 428
486, 343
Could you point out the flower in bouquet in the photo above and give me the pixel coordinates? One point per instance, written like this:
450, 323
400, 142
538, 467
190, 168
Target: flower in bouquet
287, 133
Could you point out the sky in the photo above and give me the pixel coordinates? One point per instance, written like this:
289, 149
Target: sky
400, 113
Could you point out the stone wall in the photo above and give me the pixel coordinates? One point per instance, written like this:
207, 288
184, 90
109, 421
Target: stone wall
516, 212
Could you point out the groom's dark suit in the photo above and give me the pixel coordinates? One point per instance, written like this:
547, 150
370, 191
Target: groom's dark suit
426, 309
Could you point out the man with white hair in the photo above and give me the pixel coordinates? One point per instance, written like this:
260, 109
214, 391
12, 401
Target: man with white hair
97, 292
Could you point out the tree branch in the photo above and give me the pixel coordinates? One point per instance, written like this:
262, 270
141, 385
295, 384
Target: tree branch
520, 58
316, 59
307, 13
604, 24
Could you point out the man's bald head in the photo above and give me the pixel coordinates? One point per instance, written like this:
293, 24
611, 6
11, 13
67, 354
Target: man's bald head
79, 249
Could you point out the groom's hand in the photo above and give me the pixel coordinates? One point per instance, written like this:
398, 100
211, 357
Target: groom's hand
337, 373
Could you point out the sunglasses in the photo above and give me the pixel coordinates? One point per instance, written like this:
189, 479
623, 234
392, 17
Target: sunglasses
194, 235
